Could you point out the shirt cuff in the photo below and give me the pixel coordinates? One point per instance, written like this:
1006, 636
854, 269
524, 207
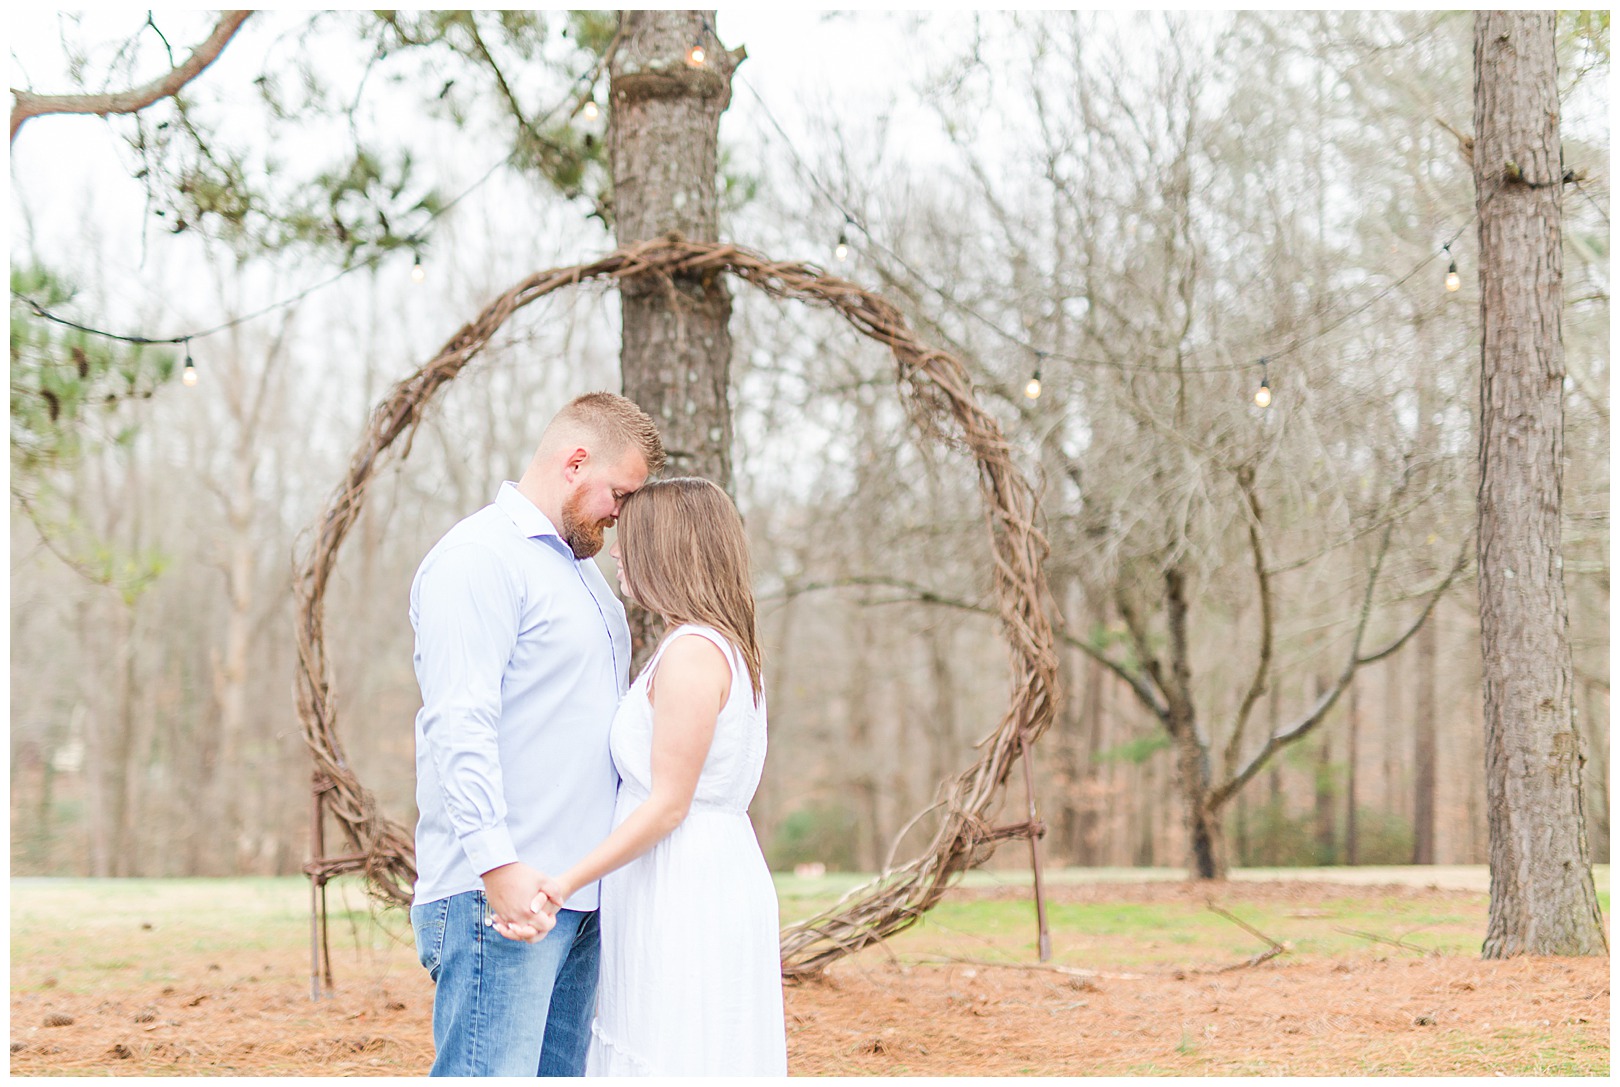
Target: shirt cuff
488, 848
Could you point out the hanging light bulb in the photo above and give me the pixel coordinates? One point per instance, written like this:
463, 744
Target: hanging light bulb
1262, 395
188, 376
696, 55
1032, 387
591, 110
841, 250
1453, 280
418, 273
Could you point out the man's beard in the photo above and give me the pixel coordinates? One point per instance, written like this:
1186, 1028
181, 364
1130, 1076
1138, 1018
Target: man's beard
583, 537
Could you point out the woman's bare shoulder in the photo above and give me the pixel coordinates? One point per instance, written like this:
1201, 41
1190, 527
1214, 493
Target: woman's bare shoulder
693, 664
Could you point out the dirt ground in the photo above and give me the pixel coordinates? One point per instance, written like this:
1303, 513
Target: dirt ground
1382, 1010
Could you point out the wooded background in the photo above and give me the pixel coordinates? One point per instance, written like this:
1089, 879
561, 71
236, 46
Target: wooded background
1138, 209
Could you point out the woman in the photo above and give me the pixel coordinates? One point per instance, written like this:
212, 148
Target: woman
691, 965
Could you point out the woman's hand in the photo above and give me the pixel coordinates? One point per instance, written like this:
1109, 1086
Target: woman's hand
553, 893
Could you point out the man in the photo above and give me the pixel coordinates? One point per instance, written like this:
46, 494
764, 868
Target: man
522, 654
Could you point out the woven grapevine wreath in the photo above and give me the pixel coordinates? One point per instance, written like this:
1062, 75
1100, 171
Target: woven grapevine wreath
940, 400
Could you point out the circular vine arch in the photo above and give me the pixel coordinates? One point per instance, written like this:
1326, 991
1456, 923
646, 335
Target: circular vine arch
941, 402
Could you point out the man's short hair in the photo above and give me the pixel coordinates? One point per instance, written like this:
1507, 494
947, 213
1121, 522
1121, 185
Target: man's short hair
618, 424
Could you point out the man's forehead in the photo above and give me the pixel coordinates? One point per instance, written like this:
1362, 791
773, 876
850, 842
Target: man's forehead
629, 471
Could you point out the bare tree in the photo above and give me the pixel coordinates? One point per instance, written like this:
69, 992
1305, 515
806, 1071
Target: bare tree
1144, 235
251, 390
1542, 897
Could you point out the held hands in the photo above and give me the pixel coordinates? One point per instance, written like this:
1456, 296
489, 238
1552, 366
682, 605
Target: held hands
530, 924
514, 891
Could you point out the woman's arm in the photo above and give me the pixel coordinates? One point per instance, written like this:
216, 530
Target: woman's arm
693, 681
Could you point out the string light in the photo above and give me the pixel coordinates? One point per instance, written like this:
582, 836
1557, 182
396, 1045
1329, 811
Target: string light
1032, 388
1453, 280
1262, 395
697, 55
841, 250
188, 376
591, 110
418, 273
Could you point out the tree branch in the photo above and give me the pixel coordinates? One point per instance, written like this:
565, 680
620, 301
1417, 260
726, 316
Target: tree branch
26, 104
1149, 663
1262, 670
1300, 728
920, 594
505, 88
1435, 594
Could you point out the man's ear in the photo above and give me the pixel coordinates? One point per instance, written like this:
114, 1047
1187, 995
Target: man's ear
576, 460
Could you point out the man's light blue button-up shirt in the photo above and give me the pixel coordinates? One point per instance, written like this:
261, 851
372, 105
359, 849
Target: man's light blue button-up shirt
522, 654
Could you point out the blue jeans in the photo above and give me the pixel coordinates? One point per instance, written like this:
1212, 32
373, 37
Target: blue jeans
503, 1007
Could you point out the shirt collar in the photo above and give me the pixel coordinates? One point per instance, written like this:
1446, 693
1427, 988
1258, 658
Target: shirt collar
524, 514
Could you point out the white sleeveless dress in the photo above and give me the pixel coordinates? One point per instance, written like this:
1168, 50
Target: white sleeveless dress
691, 976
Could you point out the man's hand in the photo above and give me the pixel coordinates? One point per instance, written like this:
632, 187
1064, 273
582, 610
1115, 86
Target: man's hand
550, 899
511, 890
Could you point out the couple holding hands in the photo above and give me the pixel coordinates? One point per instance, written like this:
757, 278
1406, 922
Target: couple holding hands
591, 898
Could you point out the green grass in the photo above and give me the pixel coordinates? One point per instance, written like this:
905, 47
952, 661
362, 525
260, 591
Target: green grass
1146, 935
89, 933
55, 922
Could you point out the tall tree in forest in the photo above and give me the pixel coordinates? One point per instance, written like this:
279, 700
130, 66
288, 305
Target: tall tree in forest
1425, 733
670, 80
1542, 897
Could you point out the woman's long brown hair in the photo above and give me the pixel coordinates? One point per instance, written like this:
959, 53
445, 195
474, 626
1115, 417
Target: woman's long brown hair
685, 558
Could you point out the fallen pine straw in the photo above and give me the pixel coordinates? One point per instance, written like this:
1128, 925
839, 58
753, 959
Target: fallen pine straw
1069, 971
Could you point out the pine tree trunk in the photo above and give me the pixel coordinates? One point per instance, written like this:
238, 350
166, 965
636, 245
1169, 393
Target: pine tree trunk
860, 753
1391, 730
1146, 774
1276, 803
1426, 678
1326, 832
1425, 729
1088, 831
1352, 842
1542, 898
231, 666
940, 723
663, 147
1597, 737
